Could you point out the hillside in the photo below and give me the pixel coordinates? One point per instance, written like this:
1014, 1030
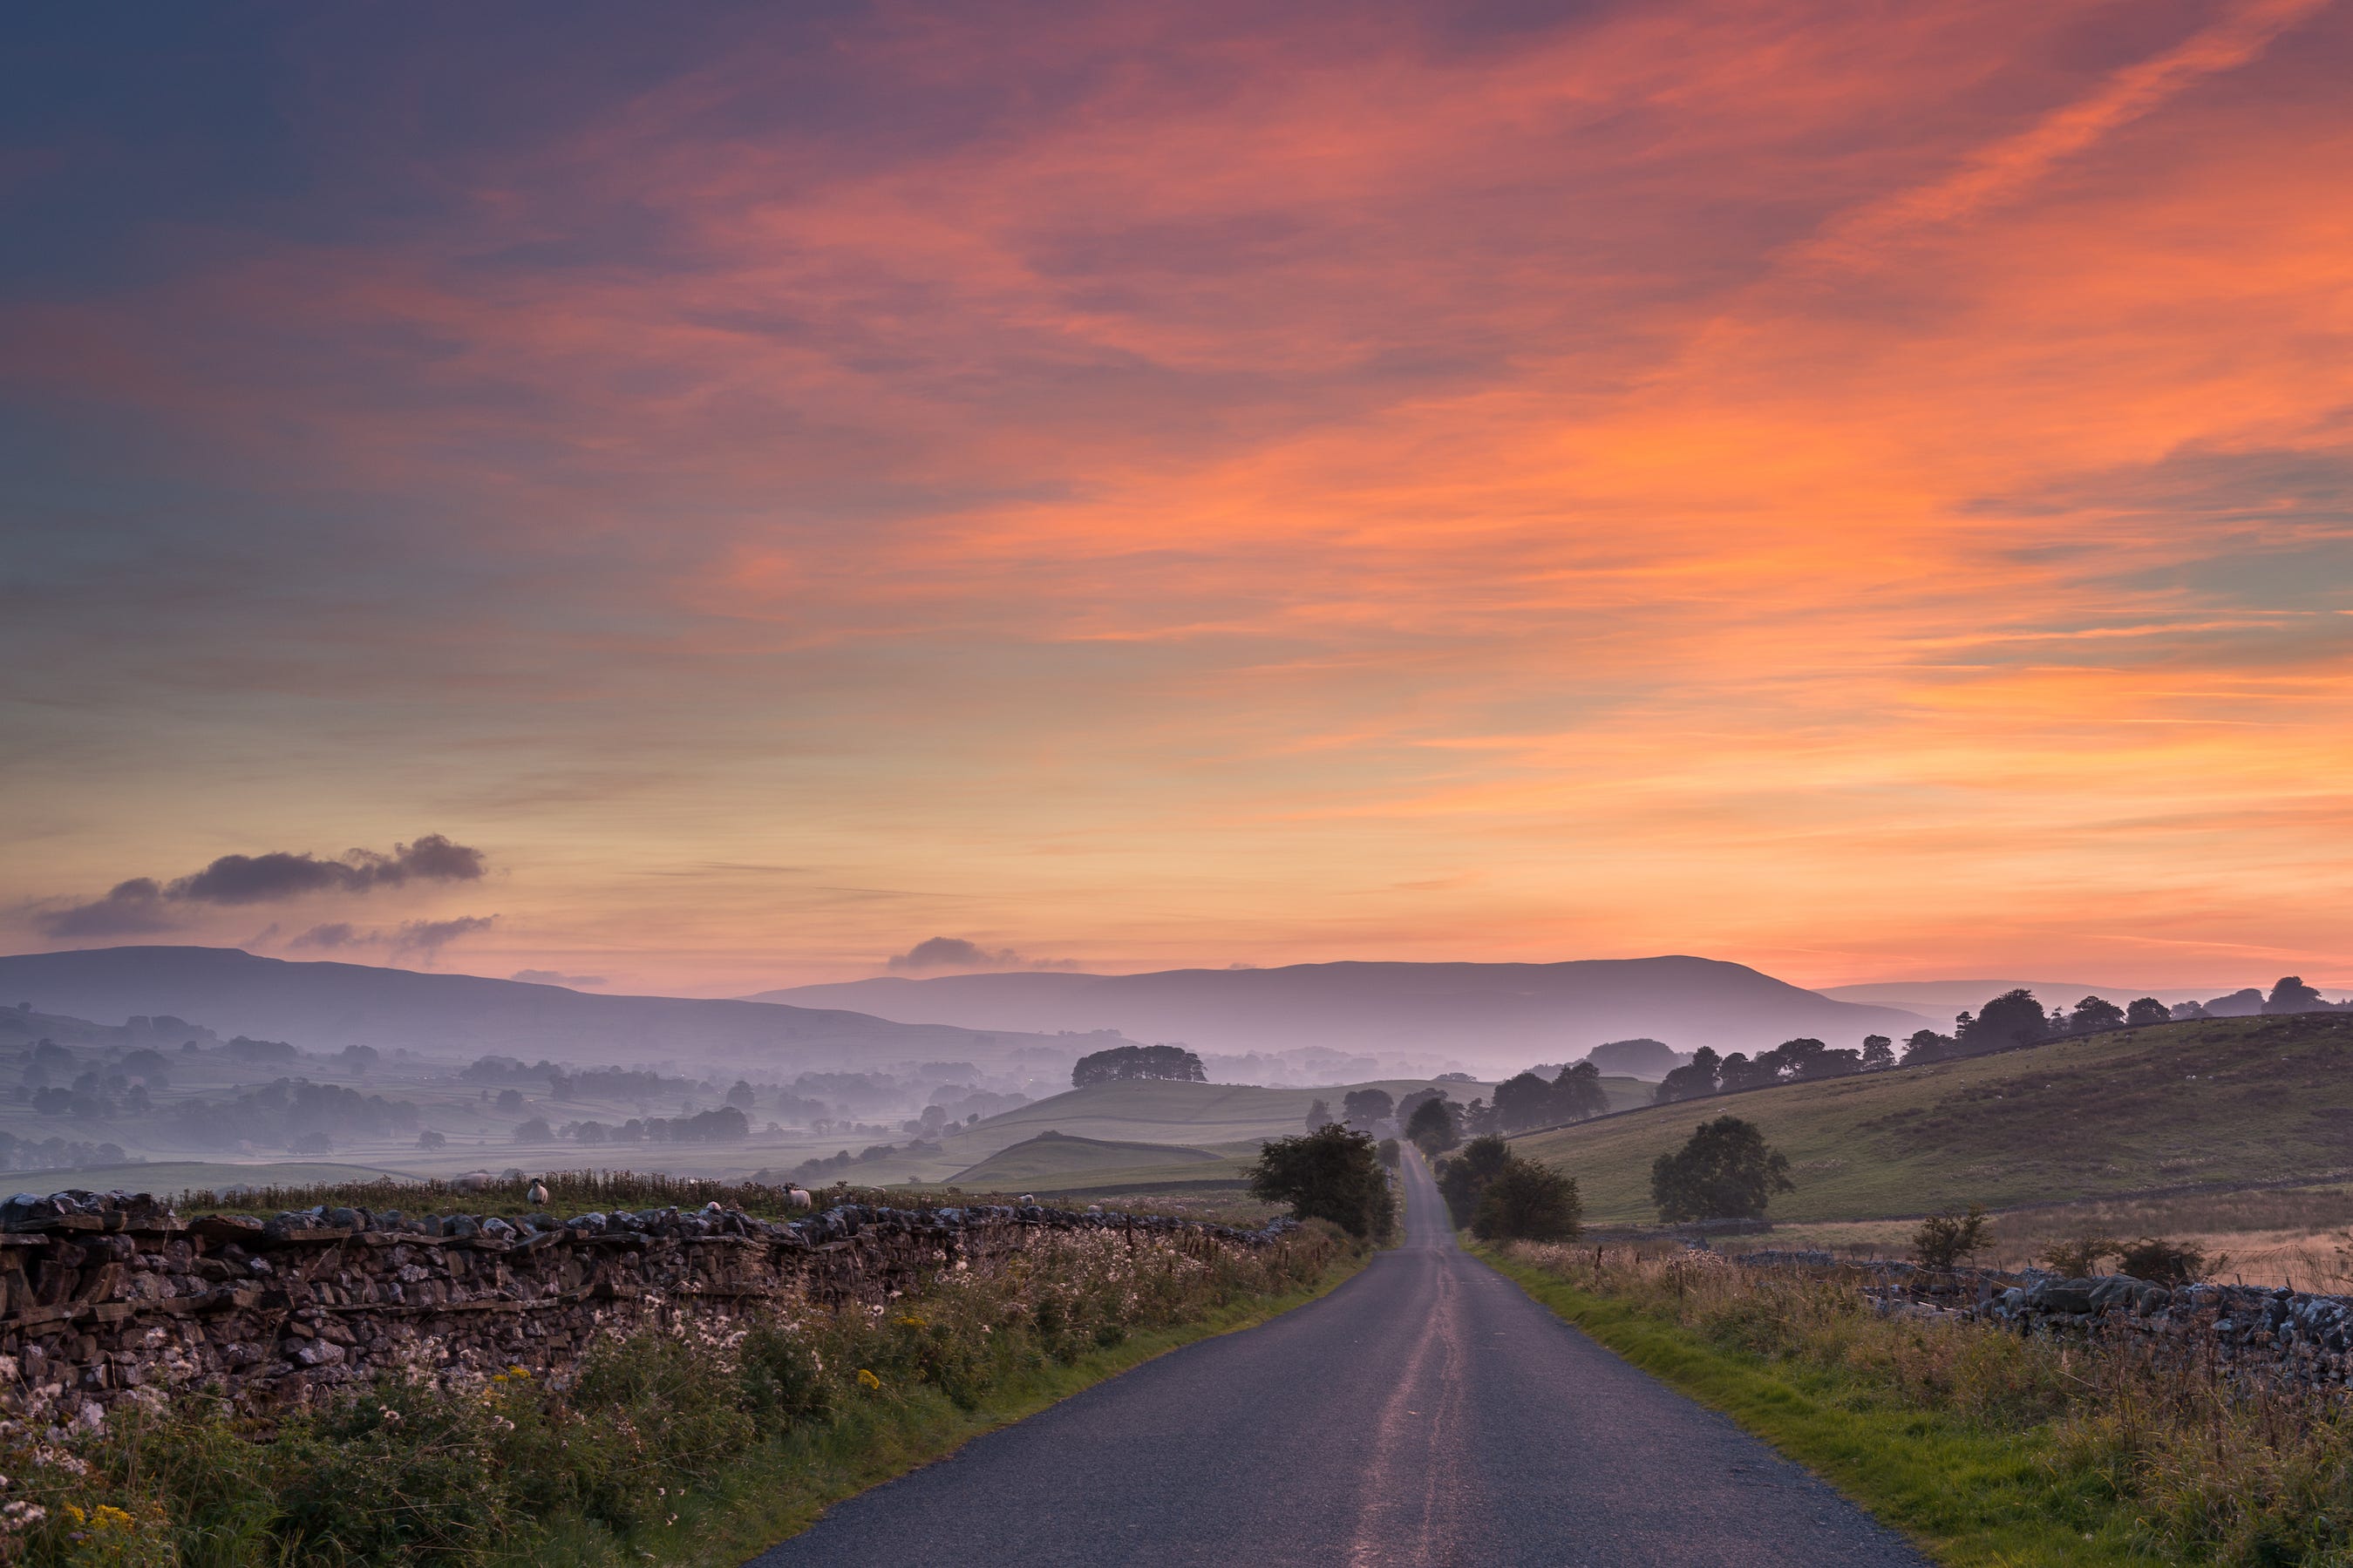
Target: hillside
1054, 1160
325, 1006
1502, 1015
1194, 1114
2219, 1101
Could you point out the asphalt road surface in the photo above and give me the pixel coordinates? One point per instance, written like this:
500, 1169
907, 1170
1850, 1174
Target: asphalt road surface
1425, 1413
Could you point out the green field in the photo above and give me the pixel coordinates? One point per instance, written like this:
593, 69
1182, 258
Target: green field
170, 1178
2214, 1103
1189, 1114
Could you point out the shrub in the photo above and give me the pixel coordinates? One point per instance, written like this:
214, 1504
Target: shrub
1330, 1173
2164, 1262
1725, 1171
1946, 1240
1434, 1126
1460, 1180
1526, 1201
2078, 1256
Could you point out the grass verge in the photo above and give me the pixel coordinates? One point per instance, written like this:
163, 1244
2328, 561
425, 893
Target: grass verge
778, 1490
1970, 1492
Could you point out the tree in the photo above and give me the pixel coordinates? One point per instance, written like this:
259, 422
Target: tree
1331, 1173
1793, 1058
740, 1096
1478, 1117
2146, 1010
1725, 1171
1318, 1115
1928, 1045
1946, 1240
2012, 1018
1391, 1156
1526, 1201
1694, 1080
1433, 1126
1738, 1072
2293, 996
510, 1101
535, 1131
2166, 1262
2095, 1013
1577, 1092
1363, 1107
1522, 1101
1461, 1179
1124, 1064
1878, 1053
429, 1139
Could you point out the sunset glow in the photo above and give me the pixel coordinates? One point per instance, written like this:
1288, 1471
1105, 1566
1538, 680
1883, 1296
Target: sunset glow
1863, 492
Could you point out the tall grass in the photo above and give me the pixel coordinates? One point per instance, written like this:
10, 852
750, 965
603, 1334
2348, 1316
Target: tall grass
1994, 1446
658, 1444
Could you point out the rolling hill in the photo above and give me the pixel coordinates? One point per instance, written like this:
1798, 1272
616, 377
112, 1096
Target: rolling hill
2215, 1102
329, 1006
1505, 1015
1052, 1162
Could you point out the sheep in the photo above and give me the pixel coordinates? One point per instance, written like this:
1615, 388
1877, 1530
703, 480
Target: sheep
473, 1182
1026, 1199
537, 1194
798, 1197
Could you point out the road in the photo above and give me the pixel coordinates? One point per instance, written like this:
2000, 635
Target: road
1425, 1413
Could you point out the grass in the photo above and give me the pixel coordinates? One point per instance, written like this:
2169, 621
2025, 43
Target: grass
1989, 1449
2212, 1103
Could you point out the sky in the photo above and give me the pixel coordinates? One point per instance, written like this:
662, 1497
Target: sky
711, 498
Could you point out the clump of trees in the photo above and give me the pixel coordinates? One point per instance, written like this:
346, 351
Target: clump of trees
2151, 1257
1802, 1060
1361, 1107
1726, 1171
1125, 1064
1502, 1195
1332, 1173
1530, 1100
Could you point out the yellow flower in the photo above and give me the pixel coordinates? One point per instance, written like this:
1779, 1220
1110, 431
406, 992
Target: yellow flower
911, 1321
74, 1516
868, 1380
517, 1371
109, 1517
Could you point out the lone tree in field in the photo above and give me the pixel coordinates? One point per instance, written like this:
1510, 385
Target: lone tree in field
1360, 1108
1948, 1240
1526, 1201
2148, 1010
1330, 1173
1433, 1126
1319, 1115
1125, 1064
1725, 1172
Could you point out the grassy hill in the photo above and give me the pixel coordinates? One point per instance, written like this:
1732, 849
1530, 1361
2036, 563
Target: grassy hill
2223, 1101
1052, 1163
1055, 1155
1192, 1114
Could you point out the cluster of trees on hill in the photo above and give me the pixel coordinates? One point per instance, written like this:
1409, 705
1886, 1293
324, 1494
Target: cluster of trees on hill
1792, 1061
2013, 1020
1125, 1064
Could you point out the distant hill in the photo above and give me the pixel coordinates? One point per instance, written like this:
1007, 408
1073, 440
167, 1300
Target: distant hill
329, 1006
2223, 1101
1505, 1015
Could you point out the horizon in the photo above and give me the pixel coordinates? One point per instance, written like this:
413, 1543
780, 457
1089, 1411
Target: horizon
716, 508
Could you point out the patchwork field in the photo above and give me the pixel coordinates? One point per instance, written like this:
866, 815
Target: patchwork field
2214, 1103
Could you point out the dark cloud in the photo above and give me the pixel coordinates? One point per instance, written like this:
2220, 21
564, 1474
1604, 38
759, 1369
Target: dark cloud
127, 909
955, 953
428, 937
260, 879
141, 904
554, 977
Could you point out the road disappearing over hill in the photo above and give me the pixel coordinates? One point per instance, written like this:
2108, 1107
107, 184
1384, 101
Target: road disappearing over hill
1425, 1413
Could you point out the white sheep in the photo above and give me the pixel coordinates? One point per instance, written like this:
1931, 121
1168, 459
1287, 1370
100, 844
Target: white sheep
799, 1198
537, 1194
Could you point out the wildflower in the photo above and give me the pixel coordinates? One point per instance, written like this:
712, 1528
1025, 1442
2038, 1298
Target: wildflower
867, 1379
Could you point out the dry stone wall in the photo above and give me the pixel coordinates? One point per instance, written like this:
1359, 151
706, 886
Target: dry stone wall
107, 1296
